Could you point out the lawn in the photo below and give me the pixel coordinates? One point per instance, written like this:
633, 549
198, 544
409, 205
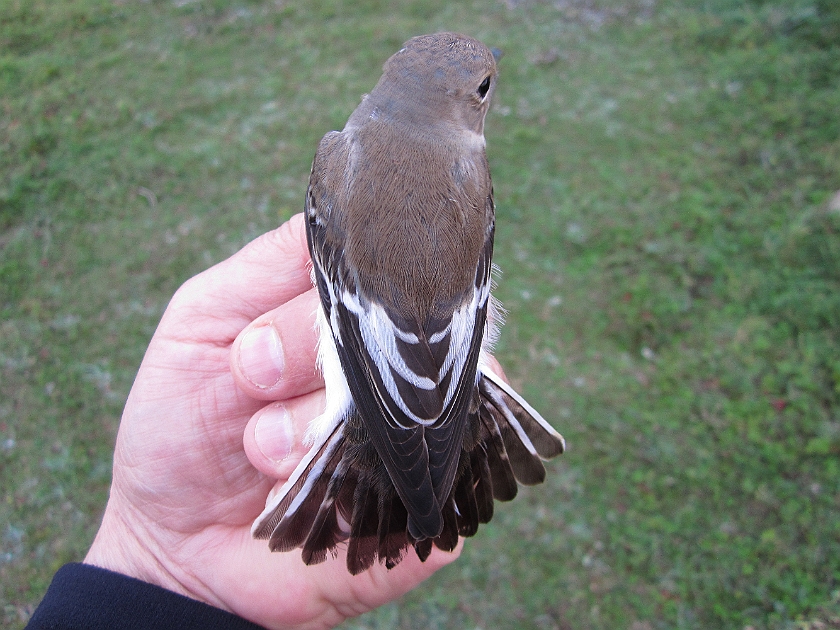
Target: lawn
667, 176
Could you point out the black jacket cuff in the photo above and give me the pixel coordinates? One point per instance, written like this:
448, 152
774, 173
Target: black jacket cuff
82, 596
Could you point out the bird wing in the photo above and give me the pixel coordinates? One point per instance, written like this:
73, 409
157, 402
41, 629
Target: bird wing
412, 381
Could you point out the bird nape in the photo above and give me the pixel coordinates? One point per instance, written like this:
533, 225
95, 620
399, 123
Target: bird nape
420, 434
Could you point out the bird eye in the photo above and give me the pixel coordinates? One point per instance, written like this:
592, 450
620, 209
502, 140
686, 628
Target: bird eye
484, 87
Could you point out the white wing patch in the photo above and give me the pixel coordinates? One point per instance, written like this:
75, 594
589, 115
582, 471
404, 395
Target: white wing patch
379, 334
462, 325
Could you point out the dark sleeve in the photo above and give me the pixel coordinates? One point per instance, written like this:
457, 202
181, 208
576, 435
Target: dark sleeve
87, 597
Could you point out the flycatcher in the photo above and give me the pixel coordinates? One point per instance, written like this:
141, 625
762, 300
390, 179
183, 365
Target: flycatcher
419, 434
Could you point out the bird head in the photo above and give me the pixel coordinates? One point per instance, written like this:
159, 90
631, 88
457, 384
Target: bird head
445, 77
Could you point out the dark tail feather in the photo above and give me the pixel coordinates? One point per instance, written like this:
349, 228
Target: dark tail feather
423, 549
465, 500
527, 437
501, 474
364, 541
342, 491
393, 523
448, 538
547, 442
526, 465
483, 484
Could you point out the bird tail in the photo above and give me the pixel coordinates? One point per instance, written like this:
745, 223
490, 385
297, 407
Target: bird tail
341, 491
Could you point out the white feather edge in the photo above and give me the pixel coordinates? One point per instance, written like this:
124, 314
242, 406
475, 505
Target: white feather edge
488, 372
276, 496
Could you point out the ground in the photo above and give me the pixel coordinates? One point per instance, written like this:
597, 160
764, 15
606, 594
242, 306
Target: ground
668, 231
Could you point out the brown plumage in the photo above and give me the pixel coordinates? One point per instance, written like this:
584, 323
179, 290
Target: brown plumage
419, 435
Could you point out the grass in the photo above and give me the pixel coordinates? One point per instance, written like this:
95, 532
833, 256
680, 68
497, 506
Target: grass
664, 174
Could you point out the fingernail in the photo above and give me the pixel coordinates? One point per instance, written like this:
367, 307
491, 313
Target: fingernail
261, 357
275, 433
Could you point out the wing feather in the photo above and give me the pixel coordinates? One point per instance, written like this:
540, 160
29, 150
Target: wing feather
289, 514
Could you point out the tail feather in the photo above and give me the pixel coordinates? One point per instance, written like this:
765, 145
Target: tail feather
465, 500
526, 435
341, 490
423, 548
501, 473
448, 538
393, 523
323, 539
364, 541
526, 465
546, 440
483, 484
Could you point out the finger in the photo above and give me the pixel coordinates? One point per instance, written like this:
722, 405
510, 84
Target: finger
390, 584
273, 358
316, 596
274, 436
269, 271
379, 585
495, 366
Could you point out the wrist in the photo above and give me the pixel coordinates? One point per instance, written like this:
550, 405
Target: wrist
133, 551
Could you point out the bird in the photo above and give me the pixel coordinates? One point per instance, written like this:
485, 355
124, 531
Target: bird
420, 433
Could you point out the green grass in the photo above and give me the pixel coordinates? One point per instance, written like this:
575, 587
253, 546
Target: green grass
671, 257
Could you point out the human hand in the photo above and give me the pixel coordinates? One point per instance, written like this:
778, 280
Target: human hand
234, 354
